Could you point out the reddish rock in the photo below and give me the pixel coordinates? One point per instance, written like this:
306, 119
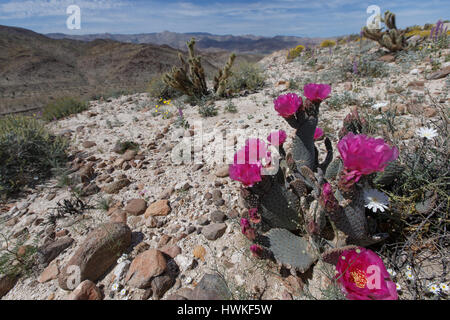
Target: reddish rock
387, 58
158, 208
164, 240
49, 273
61, 233
136, 207
86, 290
171, 251
88, 144
440, 74
116, 186
6, 284
99, 251
51, 250
119, 216
129, 155
145, 267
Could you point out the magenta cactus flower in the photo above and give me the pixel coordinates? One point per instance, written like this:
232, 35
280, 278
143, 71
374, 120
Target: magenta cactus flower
245, 225
363, 276
316, 92
287, 105
277, 138
327, 196
249, 161
254, 216
247, 230
318, 133
256, 250
364, 155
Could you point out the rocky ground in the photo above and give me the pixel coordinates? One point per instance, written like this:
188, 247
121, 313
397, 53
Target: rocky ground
178, 224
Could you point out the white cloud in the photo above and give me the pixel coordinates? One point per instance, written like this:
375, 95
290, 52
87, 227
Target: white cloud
46, 8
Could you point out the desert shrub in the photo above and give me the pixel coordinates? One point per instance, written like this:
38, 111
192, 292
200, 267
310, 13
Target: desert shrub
419, 219
366, 66
206, 111
157, 88
28, 152
342, 100
295, 52
246, 76
421, 33
63, 107
327, 43
230, 107
16, 259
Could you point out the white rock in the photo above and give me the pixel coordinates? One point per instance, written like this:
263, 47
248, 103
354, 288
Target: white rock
183, 262
121, 269
239, 280
414, 71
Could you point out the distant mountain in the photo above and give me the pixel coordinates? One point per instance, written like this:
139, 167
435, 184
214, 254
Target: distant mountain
205, 41
35, 68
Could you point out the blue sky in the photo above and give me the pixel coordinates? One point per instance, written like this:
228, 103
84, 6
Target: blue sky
314, 18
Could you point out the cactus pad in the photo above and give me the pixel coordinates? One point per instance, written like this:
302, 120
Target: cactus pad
290, 250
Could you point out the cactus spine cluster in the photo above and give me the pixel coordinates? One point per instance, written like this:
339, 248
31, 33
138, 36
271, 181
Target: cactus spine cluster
392, 39
190, 78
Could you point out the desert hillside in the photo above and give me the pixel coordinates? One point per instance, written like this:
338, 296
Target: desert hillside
35, 69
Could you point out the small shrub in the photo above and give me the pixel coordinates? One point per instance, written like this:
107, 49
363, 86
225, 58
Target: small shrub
327, 43
208, 110
295, 52
421, 33
17, 259
28, 152
246, 76
366, 66
339, 101
230, 107
63, 107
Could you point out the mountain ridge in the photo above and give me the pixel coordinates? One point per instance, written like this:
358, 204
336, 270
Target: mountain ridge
205, 41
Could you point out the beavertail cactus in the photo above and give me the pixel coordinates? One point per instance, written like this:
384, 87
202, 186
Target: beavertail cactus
291, 209
290, 250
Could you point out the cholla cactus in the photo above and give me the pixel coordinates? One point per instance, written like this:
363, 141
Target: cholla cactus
392, 39
190, 78
220, 81
290, 208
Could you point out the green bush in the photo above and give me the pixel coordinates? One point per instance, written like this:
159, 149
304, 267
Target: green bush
246, 76
207, 110
63, 107
28, 152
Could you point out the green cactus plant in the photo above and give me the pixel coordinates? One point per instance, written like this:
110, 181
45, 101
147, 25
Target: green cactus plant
305, 201
290, 250
390, 173
221, 80
392, 39
190, 78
